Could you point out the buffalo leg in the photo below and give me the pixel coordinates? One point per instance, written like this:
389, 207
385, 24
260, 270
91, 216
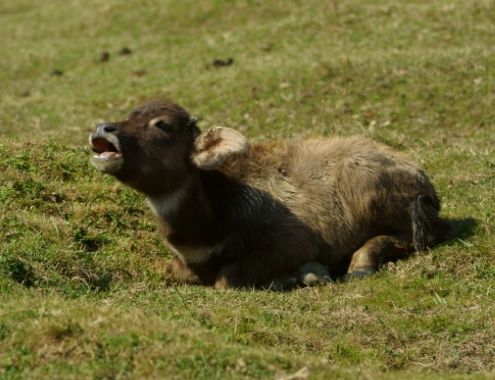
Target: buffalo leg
377, 251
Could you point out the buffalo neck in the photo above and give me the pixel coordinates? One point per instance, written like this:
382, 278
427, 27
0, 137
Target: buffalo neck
185, 214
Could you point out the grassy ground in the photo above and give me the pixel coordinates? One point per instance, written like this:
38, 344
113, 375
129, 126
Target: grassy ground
82, 291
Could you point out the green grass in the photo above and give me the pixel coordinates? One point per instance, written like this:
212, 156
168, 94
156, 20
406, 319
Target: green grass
82, 288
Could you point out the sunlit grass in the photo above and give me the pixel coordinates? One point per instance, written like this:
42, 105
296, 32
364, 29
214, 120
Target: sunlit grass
82, 288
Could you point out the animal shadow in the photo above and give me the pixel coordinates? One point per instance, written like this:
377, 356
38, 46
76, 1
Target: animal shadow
461, 228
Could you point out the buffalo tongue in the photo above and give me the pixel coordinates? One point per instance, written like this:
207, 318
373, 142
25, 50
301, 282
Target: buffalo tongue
109, 154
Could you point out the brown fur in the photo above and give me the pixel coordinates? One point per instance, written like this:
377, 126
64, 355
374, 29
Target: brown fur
244, 215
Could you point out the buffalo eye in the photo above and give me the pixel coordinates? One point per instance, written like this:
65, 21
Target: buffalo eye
163, 126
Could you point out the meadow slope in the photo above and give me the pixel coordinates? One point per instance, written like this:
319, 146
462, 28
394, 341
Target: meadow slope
82, 288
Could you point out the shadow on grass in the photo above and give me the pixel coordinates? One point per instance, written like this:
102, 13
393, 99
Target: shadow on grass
462, 228
20, 271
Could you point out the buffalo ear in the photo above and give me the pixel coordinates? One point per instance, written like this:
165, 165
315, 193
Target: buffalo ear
216, 145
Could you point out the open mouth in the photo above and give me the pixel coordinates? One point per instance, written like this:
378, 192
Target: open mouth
105, 149
107, 158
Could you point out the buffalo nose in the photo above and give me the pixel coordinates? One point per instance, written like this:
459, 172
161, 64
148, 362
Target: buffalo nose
105, 128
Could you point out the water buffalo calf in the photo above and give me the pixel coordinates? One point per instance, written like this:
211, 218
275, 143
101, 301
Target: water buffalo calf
241, 214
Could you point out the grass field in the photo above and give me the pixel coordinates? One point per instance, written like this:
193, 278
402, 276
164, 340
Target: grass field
82, 288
